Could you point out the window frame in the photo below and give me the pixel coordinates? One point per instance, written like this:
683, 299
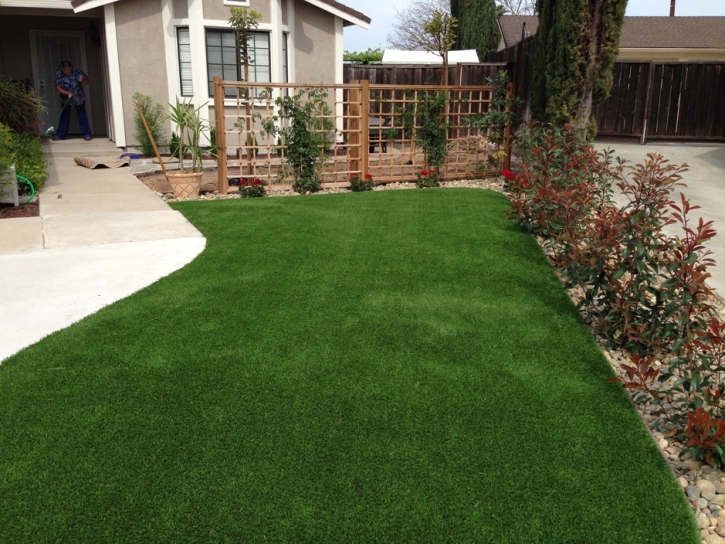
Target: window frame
239, 67
178, 52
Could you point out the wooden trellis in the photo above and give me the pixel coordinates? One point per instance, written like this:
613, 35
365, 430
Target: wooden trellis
368, 129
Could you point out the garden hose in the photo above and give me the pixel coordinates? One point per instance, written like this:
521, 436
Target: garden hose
32, 187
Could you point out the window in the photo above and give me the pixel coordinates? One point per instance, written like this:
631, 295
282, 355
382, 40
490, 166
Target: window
223, 58
285, 58
260, 70
187, 87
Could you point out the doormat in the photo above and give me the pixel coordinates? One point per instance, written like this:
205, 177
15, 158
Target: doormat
92, 164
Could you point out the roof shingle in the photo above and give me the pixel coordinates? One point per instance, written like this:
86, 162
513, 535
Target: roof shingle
642, 32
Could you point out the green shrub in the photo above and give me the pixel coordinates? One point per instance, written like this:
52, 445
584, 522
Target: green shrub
155, 117
29, 162
358, 184
427, 179
26, 153
19, 107
7, 154
174, 145
253, 189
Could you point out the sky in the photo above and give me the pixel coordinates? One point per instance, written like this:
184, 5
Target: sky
382, 12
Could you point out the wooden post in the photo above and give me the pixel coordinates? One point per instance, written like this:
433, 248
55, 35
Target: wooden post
365, 127
151, 137
648, 102
355, 139
221, 136
511, 87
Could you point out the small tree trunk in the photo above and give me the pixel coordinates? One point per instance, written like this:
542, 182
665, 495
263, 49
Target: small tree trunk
247, 108
586, 100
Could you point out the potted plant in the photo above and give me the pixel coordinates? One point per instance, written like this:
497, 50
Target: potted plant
190, 126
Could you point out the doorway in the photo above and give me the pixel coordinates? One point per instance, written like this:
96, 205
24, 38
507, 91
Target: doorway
48, 49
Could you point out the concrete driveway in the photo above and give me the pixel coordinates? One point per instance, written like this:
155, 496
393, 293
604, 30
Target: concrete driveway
705, 186
101, 236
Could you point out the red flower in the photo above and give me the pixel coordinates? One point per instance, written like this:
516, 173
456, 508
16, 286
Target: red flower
433, 171
525, 183
424, 172
257, 182
508, 174
243, 181
368, 176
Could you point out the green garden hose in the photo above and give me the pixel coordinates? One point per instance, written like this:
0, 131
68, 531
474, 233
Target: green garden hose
32, 187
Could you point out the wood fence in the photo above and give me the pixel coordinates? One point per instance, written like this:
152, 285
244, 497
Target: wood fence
458, 74
648, 100
519, 60
367, 129
667, 101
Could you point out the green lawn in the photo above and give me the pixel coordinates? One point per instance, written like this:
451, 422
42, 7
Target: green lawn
398, 366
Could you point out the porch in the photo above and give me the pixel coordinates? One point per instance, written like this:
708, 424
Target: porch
33, 42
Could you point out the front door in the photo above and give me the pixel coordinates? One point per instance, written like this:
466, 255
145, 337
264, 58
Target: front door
49, 48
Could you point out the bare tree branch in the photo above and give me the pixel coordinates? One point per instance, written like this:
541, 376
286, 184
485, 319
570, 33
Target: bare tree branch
409, 23
518, 7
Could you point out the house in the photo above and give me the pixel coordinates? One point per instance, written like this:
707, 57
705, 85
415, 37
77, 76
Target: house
394, 56
165, 49
659, 39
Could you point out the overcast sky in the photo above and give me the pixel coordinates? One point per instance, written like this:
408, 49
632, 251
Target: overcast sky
382, 12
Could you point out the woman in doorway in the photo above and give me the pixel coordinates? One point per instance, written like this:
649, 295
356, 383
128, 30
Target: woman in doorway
69, 83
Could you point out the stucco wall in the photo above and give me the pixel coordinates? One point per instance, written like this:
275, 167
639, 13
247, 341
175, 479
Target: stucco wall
16, 59
216, 10
141, 55
314, 44
181, 9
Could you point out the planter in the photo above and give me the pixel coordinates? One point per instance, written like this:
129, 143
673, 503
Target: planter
185, 184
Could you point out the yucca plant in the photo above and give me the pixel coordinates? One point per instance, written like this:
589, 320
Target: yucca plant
190, 127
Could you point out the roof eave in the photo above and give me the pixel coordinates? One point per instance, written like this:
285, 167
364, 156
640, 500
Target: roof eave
84, 5
356, 18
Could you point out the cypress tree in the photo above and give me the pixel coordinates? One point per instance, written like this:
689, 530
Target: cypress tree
477, 26
577, 44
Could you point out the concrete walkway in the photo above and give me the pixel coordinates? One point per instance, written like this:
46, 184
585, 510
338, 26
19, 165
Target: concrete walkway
101, 236
705, 187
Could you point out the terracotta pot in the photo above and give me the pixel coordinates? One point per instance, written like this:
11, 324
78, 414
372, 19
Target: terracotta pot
185, 184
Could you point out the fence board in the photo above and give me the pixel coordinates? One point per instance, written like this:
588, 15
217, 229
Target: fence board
674, 101
458, 74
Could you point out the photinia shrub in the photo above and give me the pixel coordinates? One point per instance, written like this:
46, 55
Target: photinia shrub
641, 289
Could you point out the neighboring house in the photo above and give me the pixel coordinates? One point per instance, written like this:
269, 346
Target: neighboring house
165, 49
660, 39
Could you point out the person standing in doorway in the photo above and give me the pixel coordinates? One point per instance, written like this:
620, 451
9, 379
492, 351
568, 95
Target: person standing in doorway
69, 83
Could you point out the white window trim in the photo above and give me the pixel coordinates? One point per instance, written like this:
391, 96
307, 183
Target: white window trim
171, 47
238, 3
114, 75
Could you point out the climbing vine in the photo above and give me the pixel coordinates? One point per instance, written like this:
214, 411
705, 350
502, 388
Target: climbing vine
304, 128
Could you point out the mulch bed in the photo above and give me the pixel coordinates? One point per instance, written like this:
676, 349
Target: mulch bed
8, 211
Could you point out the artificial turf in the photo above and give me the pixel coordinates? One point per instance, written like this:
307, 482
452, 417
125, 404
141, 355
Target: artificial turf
398, 366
